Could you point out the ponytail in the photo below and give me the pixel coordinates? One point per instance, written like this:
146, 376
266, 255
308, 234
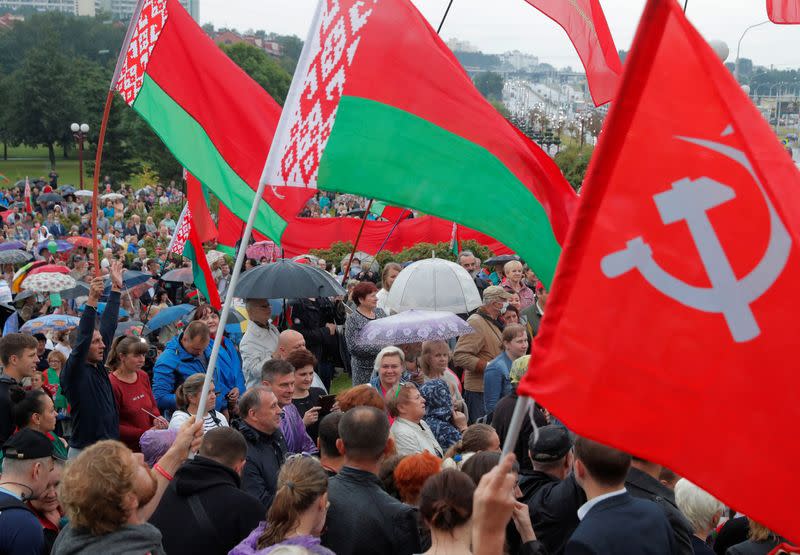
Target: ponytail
193, 385
26, 404
301, 481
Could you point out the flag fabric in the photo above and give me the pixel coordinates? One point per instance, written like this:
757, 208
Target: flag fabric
785, 12
380, 107
585, 24
455, 245
688, 231
187, 243
388, 212
28, 205
210, 114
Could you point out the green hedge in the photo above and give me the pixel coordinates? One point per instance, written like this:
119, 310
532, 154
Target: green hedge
340, 249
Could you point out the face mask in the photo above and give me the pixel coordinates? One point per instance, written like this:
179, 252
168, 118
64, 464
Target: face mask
505, 307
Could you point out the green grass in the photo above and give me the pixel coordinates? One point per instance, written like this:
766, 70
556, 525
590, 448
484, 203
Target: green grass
15, 170
341, 383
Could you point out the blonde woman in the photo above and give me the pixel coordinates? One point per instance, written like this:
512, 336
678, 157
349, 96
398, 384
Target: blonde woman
434, 364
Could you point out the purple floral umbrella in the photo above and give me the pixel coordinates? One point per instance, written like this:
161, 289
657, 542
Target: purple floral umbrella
413, 326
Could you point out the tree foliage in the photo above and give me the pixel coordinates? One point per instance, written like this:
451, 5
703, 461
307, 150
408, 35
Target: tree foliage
573, 162
490, 84
261, 68
339, 250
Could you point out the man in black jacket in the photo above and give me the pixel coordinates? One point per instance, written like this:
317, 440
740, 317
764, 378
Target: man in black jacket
266, 448
362, 518
195, 514
19, 358
84, 379
551, 455
643, 482
316, 319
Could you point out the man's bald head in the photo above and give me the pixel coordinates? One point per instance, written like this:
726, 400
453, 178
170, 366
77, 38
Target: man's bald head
289, 341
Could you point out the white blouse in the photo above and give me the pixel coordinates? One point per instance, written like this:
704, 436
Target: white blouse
411, 438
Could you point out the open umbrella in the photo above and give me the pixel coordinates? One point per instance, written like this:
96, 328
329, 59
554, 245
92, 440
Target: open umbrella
131, 328
101, 307
180, 275
286, 279
214, 256
51, 322
434, 284
81, 289
61, 246
413, 326
234, 317
48, 282
56, 268
14, 256
22, 273
79, 241
167, 316
11, 245
500, 259
112, 196
262, 249
83, 193
367, 261
67, 190
49, 197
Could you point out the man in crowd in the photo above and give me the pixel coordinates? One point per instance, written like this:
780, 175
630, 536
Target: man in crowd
183, 355
363, 519
41, 351
168, 221
534, 313
19, 358
468, 261
27, 464
475, 350
643, 482
328, 435
612, 520
278, 375
195, 514
84, 379
551, 456
316, 320
290, 341
260, 340
109, 493
266, 448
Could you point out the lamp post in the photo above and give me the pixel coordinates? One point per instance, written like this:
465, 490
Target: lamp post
79, 131
739, 46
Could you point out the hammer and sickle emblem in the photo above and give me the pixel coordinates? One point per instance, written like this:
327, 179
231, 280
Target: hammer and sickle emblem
690, 200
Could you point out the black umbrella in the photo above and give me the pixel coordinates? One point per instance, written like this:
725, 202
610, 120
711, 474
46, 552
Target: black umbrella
285, 279
14, 256
181, 275
501, 259
49, 197
81, 289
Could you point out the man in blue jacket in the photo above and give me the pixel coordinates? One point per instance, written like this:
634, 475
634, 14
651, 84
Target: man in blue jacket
183, 355
84, 379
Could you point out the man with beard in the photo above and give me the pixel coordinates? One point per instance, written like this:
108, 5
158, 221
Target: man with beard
109, 494
467, 260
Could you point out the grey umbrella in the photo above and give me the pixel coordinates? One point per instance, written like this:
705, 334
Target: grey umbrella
14, 256
285, 279
500, 259
181, 275
49, 197
81, 289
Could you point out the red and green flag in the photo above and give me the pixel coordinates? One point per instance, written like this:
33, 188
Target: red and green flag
187, 241
210, 114
380, 107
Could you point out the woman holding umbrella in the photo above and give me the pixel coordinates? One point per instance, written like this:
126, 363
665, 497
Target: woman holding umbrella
362, 356
229, 378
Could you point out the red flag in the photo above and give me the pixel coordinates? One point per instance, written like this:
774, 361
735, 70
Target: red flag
671, 330
28, 206
784, 11
198, 204
585, 23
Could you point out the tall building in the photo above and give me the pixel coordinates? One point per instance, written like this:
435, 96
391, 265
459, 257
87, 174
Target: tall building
119, 9
123, 9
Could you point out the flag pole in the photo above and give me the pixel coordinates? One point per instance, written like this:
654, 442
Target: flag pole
402, 217
248, 231
355, 245
103, 126
517, 417
447, 11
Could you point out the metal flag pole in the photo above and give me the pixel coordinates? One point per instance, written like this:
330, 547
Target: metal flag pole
346, 272
447, 11
517, 417
248, 231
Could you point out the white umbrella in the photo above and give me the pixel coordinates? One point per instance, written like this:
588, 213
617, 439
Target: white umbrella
413, 326
434, 284
367, 261
112, 196
83, 193
213, 256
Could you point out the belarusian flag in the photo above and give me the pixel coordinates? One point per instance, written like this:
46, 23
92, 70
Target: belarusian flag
28, 205
784, 12
210, 114
455, 244
380, 107
186, 242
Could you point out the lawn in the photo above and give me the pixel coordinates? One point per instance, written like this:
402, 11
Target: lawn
33, 162
341, 383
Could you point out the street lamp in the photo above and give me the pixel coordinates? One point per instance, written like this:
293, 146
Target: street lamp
80, 132
739, 46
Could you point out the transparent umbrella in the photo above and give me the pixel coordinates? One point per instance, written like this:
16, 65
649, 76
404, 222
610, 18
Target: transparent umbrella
434, 284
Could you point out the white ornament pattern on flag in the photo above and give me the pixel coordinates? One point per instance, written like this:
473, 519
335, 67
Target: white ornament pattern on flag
313, 117
182, 229
151, 21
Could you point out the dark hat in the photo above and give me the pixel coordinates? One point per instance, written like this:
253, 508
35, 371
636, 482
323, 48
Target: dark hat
27, 444
553, 443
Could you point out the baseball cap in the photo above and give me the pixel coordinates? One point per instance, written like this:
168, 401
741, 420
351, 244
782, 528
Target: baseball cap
553, 443
26, 445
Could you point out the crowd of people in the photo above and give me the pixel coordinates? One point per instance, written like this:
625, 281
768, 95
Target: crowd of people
105, 448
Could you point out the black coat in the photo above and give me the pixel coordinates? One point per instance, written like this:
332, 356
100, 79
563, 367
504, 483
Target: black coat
233, 514
732, 532
6, 407
265, 456
363, 519
751, 547
622, 524
309, 317
554, 512
531, 481
501, 420
642, 485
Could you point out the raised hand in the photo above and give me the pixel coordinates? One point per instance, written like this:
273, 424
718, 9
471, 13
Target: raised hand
116, 275
95, 291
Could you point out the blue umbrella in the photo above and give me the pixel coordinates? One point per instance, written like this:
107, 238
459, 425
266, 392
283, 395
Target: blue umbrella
130, 278
51, 322
61, 246
102, 306
11, 245
167, 316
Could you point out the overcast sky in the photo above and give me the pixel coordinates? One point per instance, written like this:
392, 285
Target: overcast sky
498, 25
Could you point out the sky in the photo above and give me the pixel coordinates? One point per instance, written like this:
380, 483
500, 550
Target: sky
496, 26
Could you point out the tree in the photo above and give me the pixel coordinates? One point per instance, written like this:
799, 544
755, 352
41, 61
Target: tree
573, 162
261, 68
500, 107
6, 115
490, 84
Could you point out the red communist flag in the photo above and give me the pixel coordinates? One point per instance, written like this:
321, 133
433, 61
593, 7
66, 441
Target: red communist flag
671, 329
585, 23
784, 11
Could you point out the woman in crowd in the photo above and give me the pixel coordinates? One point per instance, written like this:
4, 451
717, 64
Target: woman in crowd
513, 283
434, 364
52, 381
137, 407
388, 275
35, 410
187, 399
446, 423
411, 433
475, 439
362, 356
150, 226
445, 504
297, 514
305, 397
47, 507
510, 316
228, 376
358, 396
496, 382
702, 510
411, 472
